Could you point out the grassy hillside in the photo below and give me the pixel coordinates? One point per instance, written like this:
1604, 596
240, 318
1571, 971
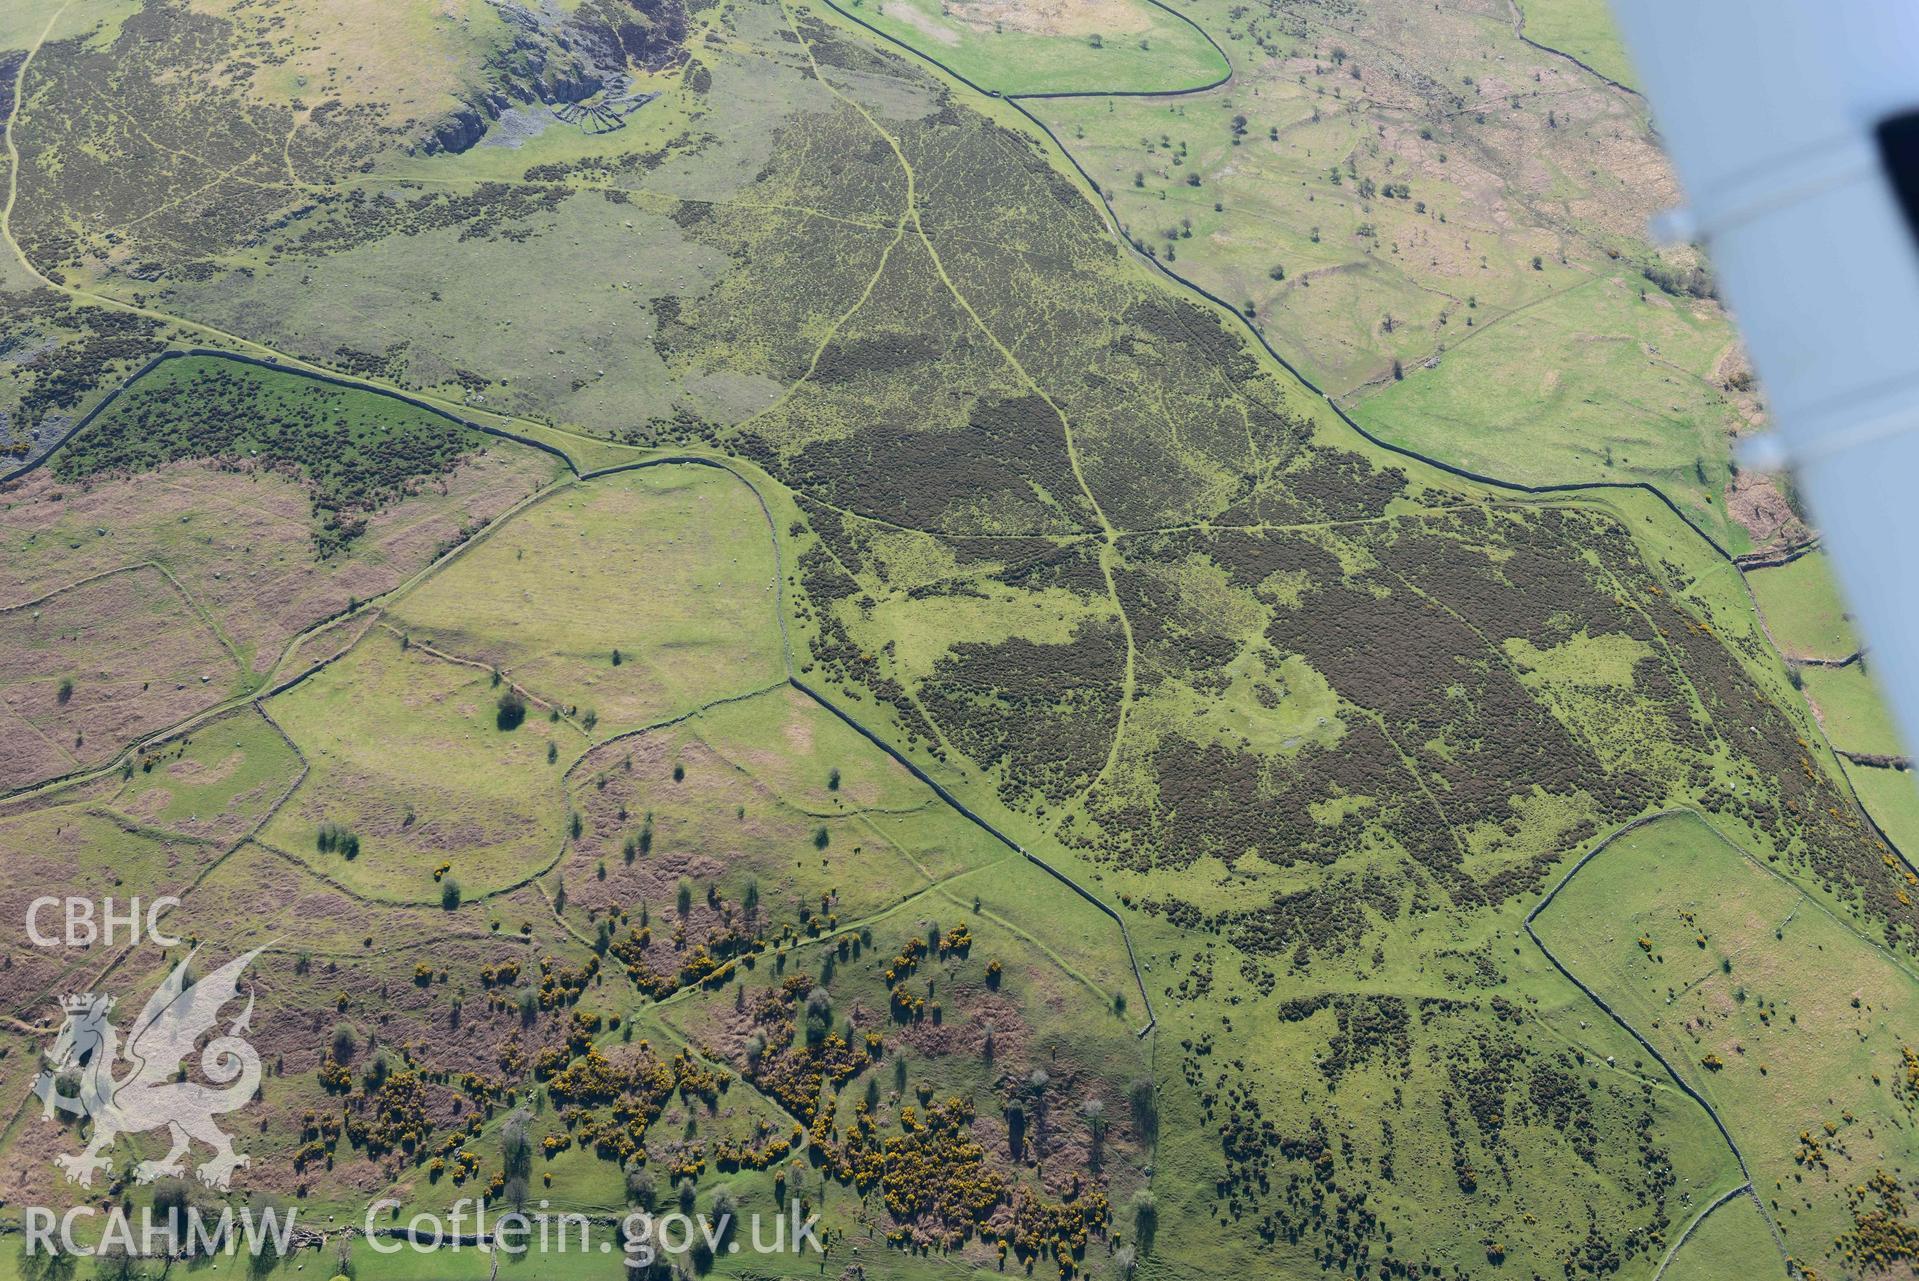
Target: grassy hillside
1110, 46
1892, 798
1731, 1241
1770, 1007
1584, 29
1853, 709
1064, 802
1443, 227
1803, 609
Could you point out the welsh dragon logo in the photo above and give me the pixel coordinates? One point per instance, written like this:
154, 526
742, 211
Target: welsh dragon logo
149, 1092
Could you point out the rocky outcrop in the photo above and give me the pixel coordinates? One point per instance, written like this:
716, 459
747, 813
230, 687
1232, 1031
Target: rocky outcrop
546, 62
557, 59
457, 130
649, 34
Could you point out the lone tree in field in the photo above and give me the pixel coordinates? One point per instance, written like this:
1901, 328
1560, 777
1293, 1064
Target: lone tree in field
1094, 1112
510, 711
516, 1149
1145, 1108
1145, 1218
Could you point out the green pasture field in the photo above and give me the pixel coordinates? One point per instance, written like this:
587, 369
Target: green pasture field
326, 642
1853, 709
1584, 29
1891, 796
808, 758
1781, 1015
492, 805
1597, 382
1804, 608
670, 567
221, 779
1731, 1241
1113, 46
23, 27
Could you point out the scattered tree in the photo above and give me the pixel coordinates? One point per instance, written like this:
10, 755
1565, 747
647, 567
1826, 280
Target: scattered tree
640, 1188
1145, 1108
516, 1148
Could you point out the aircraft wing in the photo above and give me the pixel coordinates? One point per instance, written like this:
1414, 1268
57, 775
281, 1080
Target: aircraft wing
1794, 125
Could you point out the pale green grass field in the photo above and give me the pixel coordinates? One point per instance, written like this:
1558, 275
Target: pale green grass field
807, 757
1584, 29
1140, 47
491, 803
23, 24
1892, 798
1782, 1016
1853, 709
671, 566
220, 781
1803, 608
1732, 1241
1595, 382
